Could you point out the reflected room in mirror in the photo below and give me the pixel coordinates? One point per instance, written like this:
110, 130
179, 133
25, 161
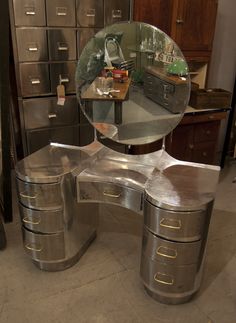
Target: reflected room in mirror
132, 83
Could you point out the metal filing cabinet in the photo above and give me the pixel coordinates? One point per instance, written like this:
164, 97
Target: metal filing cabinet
48, 37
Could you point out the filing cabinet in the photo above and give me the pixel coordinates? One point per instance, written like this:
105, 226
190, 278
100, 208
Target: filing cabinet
48, 38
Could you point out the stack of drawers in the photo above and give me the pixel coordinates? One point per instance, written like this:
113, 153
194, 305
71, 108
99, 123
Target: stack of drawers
48, 37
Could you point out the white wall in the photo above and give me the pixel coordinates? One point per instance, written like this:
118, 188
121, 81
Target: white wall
223, 63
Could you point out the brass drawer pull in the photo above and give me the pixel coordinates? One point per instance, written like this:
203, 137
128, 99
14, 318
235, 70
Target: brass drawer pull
26, 196
164, 279
52, 115
35, 81
30, 12
91, 13
63, 79
110, 194
33, 48
33, 247
179, 21
61, 11
62, 47
166, 252
26, 220
116, 14
170, 223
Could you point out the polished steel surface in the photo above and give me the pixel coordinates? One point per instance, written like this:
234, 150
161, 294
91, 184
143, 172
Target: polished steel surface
63, 73
90, 13
29, 13
170, 252
62, 44
116, 10
45, 112
60, 13
32, 44
133, 47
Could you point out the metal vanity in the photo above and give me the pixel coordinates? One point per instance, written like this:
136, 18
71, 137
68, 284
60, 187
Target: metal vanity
60, 186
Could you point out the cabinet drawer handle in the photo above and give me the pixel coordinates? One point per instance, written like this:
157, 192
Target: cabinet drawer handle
110, 194
170, 224
26, 220
191, 146
166, 252
28, 196
62, 47
116, 13
211, 117
164, 279
33, 247
52, 115
35, 81
179, 21
204, 154
208, 132
33, 48
91, 13
30, 12
61, 11
63, 79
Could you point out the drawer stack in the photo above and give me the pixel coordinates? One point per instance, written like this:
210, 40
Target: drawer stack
48, 37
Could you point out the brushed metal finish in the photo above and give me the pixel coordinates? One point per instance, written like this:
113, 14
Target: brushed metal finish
48, 221
38, 112
62, 44
177, 226
63, 73
37, 139
29, 13
60, 13
110, 193
44, 246
34, 79
40, 196
32, 44
83, 36
169, 252
115, 11
90, 13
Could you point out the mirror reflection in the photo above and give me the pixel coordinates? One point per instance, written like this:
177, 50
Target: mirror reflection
132, 83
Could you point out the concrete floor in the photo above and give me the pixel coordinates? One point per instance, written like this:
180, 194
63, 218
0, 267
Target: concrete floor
105, 285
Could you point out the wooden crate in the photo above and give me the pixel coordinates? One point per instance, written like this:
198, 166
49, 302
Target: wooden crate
210, 98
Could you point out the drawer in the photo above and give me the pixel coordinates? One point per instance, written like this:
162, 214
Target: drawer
90, 13
60, 13
34, 79
44, 112
40, 196
63, 73
42, 221
62, 44
204, 152
83, 36
176, 253
110, 193
116, 10
206, 131
37, 139
47, 247
29, 13
167, 278
177, 226
32, 44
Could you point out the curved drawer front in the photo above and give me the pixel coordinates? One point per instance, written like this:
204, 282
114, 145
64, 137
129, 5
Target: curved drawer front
176, 253
111, 193
177, 226
167, 278
45, 247
40, 196
42, 221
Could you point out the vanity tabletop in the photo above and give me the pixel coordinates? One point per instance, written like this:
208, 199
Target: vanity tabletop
92, 94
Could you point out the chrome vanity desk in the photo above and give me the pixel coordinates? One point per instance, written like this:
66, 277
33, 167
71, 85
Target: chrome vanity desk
60, 187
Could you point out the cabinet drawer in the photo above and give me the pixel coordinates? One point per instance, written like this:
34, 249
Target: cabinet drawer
29, 13
60, 13
116, 10
37, 139
44, 112
176, 253
167, 278
110, 193
40, 196
63, 73
62, 44
177, 226
46, 247
32, 44
42, 221
83, 36
206, 131
204, 152
90, 13
34, 79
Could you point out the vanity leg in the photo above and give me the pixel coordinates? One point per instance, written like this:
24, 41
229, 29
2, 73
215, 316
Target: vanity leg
118, 112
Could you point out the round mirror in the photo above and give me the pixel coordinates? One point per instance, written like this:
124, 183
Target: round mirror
132, 83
